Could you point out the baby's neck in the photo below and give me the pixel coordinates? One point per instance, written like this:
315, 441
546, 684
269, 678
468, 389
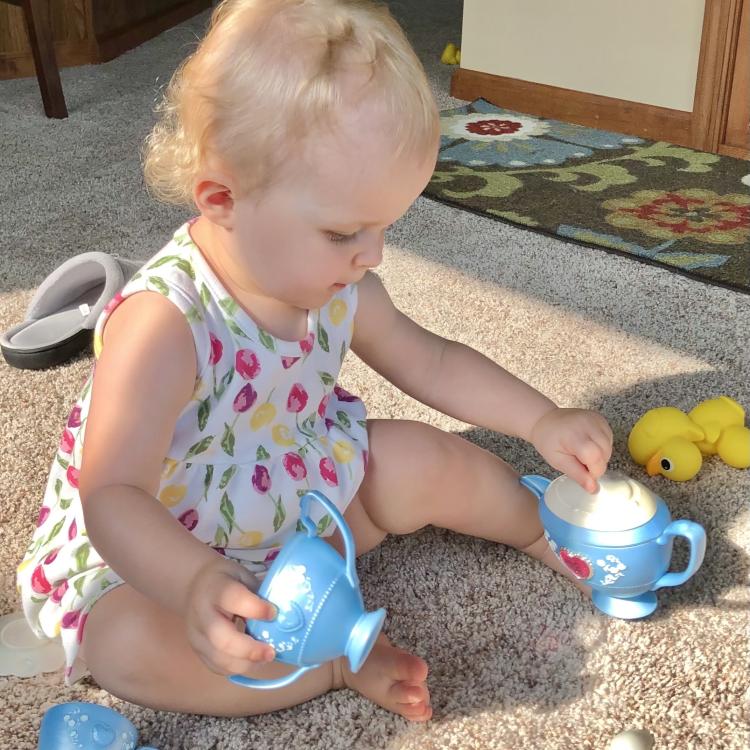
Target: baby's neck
279, 319
212, 241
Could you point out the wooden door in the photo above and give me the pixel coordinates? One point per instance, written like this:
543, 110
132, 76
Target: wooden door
736, 137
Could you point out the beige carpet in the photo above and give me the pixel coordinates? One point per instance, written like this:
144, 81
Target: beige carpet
518, 659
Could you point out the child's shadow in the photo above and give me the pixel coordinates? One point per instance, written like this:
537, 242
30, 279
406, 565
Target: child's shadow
499, 629
496, 628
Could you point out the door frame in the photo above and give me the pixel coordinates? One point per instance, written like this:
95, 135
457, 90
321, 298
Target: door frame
721, 27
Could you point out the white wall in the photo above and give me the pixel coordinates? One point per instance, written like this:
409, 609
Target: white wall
638, 50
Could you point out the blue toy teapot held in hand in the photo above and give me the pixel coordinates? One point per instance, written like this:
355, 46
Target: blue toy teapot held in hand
321, 615
617, 540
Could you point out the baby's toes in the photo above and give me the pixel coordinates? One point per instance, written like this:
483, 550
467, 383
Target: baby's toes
408, 668
418, 713
412, 700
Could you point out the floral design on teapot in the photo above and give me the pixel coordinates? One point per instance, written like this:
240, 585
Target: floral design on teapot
613, 567
282, 646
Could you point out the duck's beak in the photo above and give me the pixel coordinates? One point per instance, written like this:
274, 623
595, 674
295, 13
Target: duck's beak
653, 467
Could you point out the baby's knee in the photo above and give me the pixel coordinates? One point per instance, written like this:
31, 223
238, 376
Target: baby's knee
112, 649
446, 458
125, 643
440, 455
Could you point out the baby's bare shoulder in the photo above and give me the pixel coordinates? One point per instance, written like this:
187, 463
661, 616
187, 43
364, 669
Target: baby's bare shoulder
144, 377
150, 328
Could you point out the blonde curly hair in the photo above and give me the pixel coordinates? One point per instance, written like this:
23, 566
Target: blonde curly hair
265, 75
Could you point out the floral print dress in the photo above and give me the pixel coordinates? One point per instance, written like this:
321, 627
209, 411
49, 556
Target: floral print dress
266, 423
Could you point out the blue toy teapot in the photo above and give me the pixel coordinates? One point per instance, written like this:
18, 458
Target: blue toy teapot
321, 615
617, 540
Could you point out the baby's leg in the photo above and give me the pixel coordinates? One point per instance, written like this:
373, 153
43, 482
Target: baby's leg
419, 475
139, 651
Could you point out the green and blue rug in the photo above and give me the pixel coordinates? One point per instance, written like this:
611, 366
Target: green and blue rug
686, 210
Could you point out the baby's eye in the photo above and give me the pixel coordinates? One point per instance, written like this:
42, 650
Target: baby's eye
337, 237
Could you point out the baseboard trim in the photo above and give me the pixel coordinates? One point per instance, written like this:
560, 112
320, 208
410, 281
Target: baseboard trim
738, 152
591, 110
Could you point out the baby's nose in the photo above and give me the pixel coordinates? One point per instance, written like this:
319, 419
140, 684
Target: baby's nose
372, 254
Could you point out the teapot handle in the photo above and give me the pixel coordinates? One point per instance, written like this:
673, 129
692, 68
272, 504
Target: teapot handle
279, 682
696, 535
537, 484
312, 530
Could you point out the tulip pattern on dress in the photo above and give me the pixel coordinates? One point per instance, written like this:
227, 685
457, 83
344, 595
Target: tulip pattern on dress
266, 423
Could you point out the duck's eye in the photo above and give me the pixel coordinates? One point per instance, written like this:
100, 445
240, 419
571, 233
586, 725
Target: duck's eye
666, 464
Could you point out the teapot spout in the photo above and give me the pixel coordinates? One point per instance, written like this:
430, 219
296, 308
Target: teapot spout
537, 484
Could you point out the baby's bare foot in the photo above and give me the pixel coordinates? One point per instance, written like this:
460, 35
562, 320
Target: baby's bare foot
392, 678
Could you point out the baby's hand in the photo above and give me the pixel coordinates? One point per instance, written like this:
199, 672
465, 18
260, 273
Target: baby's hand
220, 593
578, 442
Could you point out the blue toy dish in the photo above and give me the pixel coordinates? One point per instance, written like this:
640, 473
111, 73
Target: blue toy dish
86, 726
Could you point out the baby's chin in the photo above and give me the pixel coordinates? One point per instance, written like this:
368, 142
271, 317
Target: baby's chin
315, 299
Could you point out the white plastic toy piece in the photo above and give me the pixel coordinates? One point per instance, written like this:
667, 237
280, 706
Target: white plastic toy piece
23, 654
632, 739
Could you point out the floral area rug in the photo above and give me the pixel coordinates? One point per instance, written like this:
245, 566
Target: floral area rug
686, 210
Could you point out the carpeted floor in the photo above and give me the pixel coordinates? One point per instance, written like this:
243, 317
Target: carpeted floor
518, 659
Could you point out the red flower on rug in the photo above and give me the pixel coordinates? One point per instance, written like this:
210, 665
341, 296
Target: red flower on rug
702, 214
493, 127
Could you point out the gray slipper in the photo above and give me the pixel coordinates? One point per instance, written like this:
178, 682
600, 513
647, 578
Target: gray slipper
62, 314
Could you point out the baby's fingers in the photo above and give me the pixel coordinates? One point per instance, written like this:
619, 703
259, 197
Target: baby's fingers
593, 457
235, 598
229, 649
604, 438
571, 466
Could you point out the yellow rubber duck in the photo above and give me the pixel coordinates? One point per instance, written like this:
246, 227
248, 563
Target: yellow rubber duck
669, 442
664, 441
451, 55
722, 420
678, 459
734, 446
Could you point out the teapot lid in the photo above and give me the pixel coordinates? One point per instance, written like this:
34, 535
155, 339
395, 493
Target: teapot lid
620, 504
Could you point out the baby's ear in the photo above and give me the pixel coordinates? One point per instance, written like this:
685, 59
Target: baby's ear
214, 200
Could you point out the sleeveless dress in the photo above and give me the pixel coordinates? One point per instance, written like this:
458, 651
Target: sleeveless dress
266, 423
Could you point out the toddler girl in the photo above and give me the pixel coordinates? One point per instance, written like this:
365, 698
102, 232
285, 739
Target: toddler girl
300, 130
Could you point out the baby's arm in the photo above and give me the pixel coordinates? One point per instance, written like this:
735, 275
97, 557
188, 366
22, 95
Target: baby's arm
446, 375
143, 379
459, 381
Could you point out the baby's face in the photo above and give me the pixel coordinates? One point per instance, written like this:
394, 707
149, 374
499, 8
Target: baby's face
321, 227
